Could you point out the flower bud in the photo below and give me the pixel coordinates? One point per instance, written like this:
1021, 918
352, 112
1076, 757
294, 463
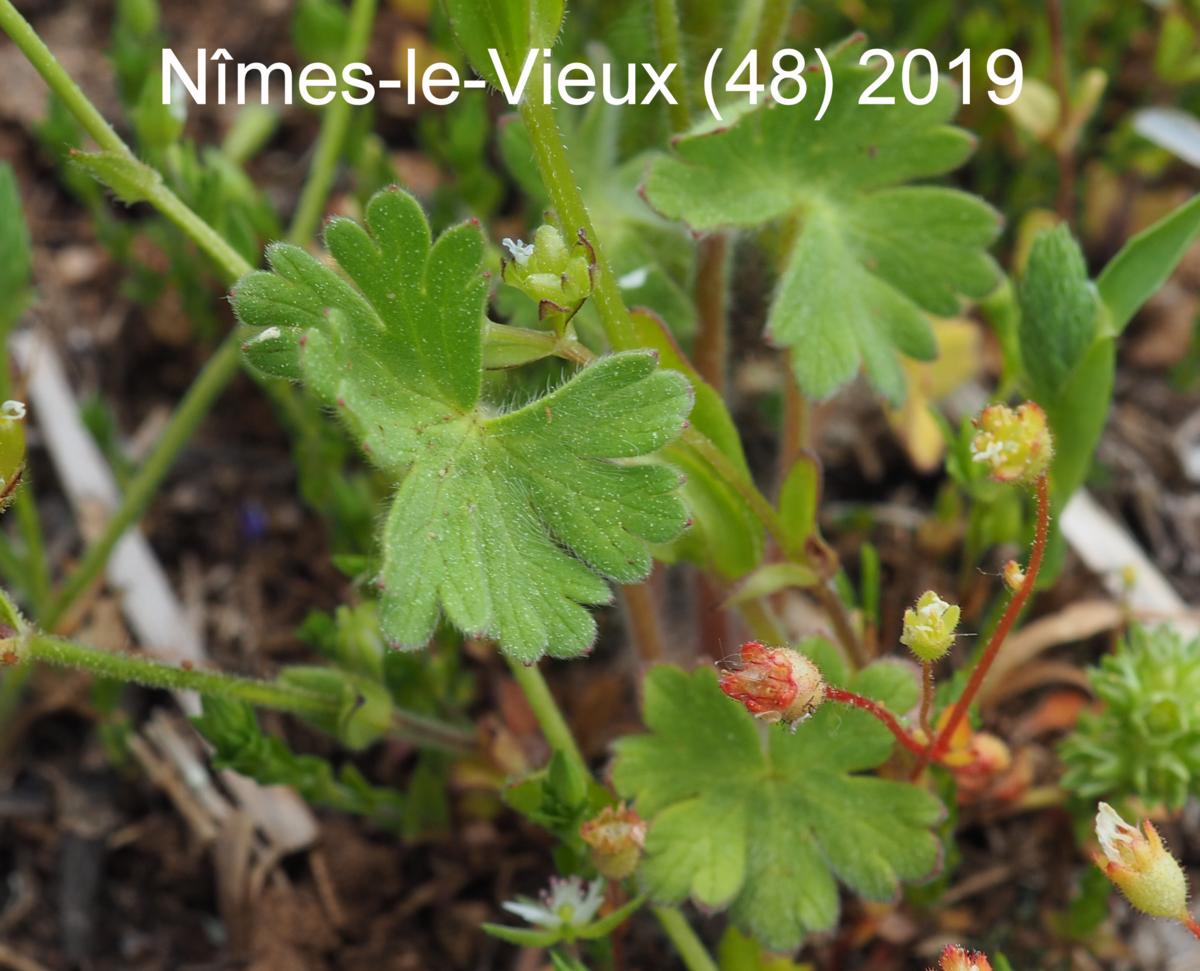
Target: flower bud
956, 958
616, 837
1140, 866
558, 278
929, 627
12, 449
1015, 445
774, 683
1014, 576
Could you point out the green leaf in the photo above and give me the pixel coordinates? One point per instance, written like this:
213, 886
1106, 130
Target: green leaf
770, 579
1058, 310
1077, 415
16, 256
869, 255
1146, 261
726, 536
232, 729
506, 521
522, 936
130, 180
769, 830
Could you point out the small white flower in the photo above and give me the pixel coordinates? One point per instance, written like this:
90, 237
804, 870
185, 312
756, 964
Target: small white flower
14, 410
567, 902
518, 249
1113, 832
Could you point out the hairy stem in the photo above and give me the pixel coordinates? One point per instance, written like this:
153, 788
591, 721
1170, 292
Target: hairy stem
670, 49
155, 674
926, 697
545, 709
711, 351
219, 370
687, 944
938, 746
772, 28
192, 409
878, 711
335, 122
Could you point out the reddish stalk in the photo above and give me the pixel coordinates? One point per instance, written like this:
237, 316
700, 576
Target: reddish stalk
926, 697
1190, 923
937, 747
878, 711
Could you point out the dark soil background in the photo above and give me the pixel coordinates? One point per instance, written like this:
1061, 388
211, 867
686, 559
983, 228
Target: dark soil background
100, 869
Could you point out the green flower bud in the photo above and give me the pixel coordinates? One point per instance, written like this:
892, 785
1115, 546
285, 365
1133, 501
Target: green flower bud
12, 450
1139, 864
929, 627
547, 271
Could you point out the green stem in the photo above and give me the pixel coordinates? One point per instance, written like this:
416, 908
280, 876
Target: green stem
688, 945
545, 709
555, 169
213, 378
155, 674
216, 374
670, 50
772, 28
39, 55
554, 726
332, 137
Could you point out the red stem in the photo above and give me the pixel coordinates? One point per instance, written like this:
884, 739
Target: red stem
937, 747
885, 716
1190, 923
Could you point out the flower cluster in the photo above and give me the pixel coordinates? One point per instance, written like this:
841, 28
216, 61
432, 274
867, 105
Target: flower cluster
929, 627
774, 683
955, 958
1015, 445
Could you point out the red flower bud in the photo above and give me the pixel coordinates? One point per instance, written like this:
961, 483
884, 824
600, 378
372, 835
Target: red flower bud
956, 958
774, 683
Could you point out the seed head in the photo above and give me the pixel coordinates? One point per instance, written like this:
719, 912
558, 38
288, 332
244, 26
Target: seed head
616, 837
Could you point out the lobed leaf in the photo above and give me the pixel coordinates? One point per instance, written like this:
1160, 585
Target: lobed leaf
769, 831
507, 522
870, 256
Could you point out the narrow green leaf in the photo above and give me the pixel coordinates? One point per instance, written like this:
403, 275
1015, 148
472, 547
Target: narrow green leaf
16, 255
770, 579
1146, 261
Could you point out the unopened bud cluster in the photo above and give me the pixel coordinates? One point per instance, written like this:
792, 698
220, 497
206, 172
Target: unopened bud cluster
1015, 444
929, 627
557, 277
955, 958
616, 837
